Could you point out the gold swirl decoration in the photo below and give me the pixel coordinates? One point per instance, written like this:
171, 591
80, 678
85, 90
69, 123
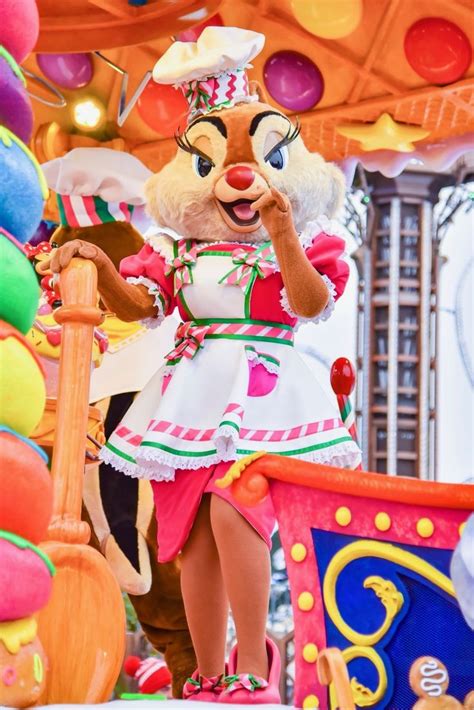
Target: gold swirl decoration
390, 597
363, 696
385, 590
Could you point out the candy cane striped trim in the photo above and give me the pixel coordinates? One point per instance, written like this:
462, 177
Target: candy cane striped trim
158, 462
190, 434
89, 210
247, 330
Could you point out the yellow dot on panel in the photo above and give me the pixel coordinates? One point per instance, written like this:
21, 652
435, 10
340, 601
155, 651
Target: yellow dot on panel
383, 521
298, 552
461, 528
425, 527
310, 653
343, 516
310, 702
305, 601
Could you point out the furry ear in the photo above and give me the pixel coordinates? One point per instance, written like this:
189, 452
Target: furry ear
337, 190
256, 89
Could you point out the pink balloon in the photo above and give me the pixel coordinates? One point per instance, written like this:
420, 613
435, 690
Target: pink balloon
70, 71
293, 80
193, 33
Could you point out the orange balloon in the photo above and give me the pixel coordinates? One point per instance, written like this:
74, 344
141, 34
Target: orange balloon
163, 108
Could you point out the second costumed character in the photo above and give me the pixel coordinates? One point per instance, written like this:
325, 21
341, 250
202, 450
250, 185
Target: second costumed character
247, 252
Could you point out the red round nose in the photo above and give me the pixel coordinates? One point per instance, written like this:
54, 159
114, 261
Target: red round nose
240, 177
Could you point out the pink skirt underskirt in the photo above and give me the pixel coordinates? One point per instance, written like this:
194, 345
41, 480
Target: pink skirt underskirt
177, 503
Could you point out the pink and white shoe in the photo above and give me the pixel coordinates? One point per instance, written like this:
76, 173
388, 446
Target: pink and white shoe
202, 689
247, 689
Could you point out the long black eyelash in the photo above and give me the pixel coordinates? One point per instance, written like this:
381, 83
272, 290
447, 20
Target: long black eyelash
182, 142
292, 134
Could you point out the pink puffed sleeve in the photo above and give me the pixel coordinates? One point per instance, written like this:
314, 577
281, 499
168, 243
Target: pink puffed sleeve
148, 268
325, 254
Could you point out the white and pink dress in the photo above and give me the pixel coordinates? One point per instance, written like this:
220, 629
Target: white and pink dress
234, 384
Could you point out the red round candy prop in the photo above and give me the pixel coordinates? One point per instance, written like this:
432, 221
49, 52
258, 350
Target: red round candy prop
25, 581
19, 27
193, 33
342, 376
438, 50
26, 498
163, 108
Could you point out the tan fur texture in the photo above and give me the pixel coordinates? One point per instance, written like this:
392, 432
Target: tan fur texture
179, 198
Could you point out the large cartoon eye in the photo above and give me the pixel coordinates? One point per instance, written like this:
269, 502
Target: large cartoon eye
202, 167
278, 158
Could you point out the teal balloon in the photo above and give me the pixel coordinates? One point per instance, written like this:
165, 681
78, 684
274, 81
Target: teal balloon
19, 292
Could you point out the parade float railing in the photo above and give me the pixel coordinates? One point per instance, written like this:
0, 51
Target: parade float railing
83, 626
368, 561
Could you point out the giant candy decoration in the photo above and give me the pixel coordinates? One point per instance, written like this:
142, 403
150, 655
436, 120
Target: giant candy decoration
326, 18
19, 27
15, 106
25, 477
22, 388
25, 485
19, 294
23, 188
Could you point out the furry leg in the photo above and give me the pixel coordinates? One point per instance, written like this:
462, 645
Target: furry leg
204, 595
245, 564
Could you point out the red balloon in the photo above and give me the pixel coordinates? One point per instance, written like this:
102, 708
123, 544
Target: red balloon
193, 33
438, 50
342, 376
163, 108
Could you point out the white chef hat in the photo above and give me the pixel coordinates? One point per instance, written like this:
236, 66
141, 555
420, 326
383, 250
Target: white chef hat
98, 185
211, 71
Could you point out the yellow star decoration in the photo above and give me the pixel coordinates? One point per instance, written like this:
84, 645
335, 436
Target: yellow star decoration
384, 134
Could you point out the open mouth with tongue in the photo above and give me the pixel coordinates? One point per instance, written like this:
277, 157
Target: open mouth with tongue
240, 212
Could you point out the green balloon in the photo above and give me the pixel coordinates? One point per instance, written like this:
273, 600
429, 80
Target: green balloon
19, 288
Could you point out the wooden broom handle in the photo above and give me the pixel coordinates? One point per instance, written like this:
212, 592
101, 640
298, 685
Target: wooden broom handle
78, 316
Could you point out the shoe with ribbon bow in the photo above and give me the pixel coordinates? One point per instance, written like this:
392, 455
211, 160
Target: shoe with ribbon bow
248, 689
202, 689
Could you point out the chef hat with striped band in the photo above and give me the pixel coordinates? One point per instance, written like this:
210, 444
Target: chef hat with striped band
98, 185
211, 71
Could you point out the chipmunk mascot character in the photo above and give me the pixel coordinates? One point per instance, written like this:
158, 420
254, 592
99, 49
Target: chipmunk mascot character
254, 254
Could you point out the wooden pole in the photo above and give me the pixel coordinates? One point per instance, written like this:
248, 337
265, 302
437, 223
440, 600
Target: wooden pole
78, 316
83, 626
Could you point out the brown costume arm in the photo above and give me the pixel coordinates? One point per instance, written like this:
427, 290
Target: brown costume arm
128, 301
307, 293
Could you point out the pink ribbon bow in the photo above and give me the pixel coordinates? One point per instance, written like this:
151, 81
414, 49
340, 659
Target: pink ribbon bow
182, 265
188, 340
250, 265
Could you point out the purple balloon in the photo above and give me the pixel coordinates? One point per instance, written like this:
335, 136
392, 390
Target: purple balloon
293, 80
15, 106
70, 71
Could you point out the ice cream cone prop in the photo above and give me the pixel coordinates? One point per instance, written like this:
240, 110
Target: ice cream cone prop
343, 383
85, 617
